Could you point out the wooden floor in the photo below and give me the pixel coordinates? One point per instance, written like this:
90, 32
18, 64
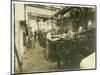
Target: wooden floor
34, 60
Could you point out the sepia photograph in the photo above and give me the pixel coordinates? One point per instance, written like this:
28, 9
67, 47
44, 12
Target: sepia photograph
51, 37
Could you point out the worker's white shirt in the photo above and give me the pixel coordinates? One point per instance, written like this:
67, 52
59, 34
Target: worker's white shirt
88, 62
48, 36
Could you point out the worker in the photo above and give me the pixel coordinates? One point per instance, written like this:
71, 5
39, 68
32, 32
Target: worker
50, 35
35, 38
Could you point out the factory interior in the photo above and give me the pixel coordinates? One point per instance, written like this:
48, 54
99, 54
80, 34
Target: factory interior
53, 37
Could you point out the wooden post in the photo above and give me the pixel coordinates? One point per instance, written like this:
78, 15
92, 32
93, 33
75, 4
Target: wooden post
25, 12
52, 23
37, 25
19, 63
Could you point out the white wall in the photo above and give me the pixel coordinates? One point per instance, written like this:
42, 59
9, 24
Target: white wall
33, 24
47, 25
19, 15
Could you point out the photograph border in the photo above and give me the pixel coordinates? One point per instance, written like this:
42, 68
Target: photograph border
63, 70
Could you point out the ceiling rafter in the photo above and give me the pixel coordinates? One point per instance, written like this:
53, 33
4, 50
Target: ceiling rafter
44, 7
